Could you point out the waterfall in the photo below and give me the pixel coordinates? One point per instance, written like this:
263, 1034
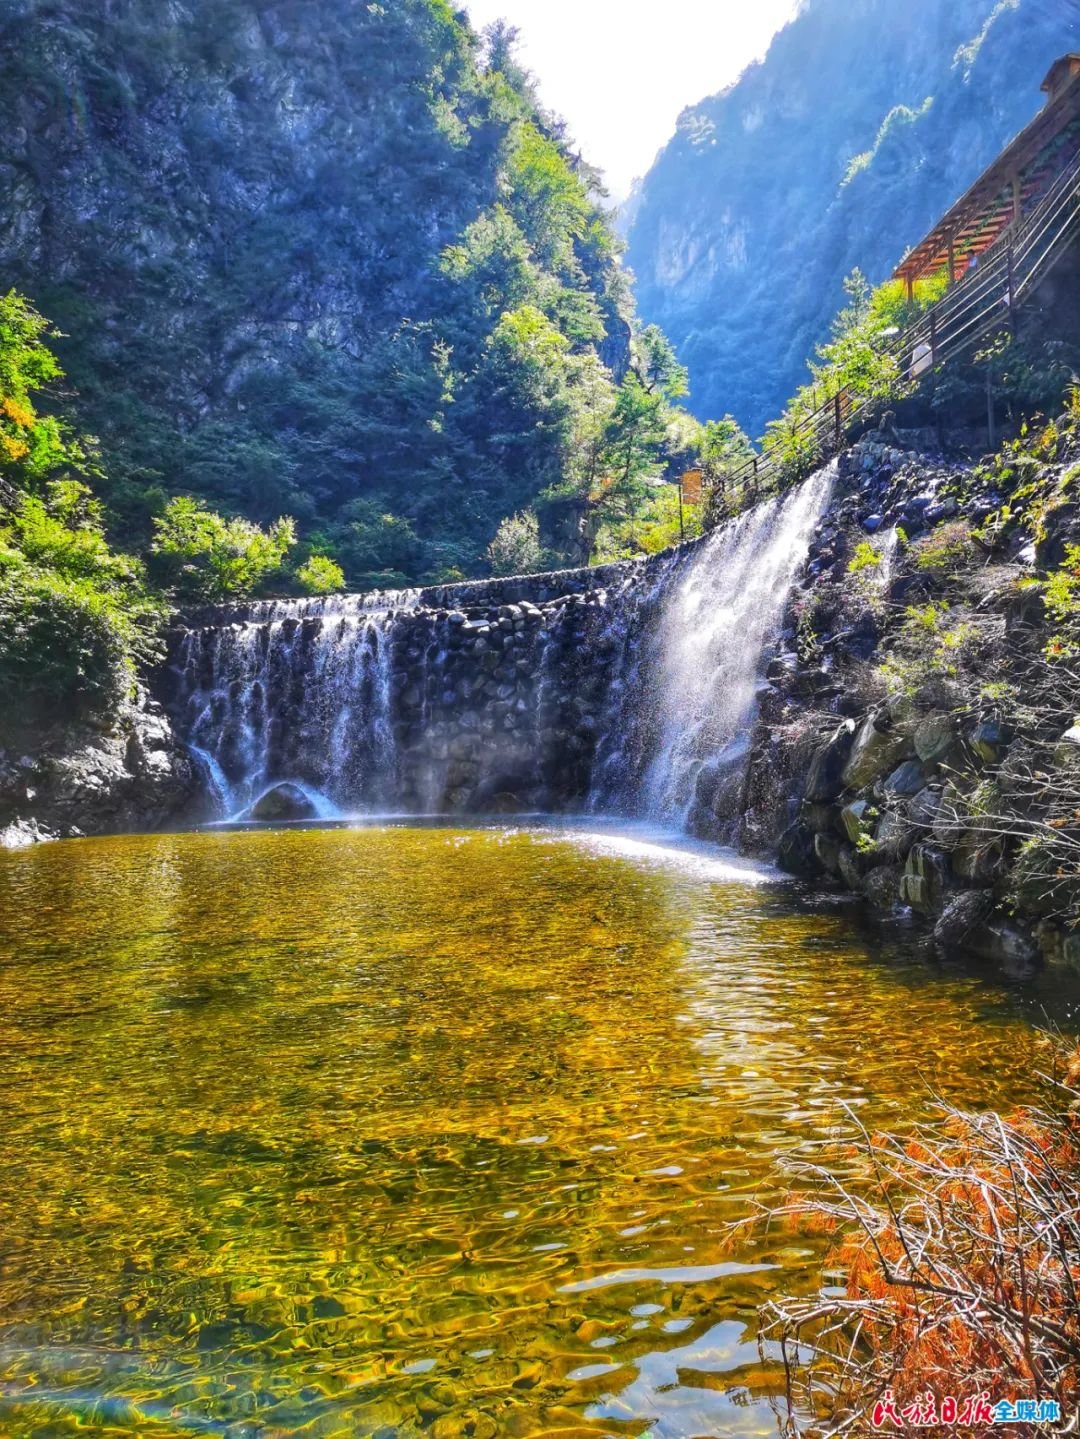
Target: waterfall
678, 732
296, 691
630, 690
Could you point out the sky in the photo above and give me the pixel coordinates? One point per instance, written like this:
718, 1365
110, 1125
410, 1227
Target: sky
620, 71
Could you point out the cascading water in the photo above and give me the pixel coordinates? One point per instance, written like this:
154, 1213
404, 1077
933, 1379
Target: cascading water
634, 697
298, 691
678, 731
683, 727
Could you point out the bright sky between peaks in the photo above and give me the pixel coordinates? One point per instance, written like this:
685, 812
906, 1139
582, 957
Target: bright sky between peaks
620, 71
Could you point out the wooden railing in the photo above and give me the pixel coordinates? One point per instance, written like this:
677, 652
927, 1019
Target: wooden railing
986, 299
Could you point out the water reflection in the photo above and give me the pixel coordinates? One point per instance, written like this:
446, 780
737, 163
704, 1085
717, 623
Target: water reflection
400, 1131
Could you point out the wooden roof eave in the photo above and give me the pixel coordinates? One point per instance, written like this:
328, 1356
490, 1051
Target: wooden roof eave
932, 253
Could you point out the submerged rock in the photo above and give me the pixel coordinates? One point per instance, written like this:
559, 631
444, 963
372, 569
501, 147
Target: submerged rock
796, 853
1011, 946
283, 802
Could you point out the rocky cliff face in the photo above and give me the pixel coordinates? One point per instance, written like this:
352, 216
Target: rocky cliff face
916, 742
863, 124
132, 775
279, 239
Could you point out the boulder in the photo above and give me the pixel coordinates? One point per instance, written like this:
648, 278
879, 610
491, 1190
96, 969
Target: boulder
1060, 529
938, 693
1067, 750
907, 779
951, 821
924, 807
1050, 938
827, 850
853, 818
947, 510
283, 802
824, 780
989, 739
820, 818
893, 836
970, 924
961, 917
22, 833
934, 737
131, 774
876, 750
926, 880
881, 886
976, 861
795, 853
851, 866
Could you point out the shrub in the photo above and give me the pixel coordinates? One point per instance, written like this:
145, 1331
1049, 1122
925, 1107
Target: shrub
321, 576
946, 550
866, 557
515, 550
76, 619
934, 643
207, 557
1062, 594
961, 1246
33, 447
653, 528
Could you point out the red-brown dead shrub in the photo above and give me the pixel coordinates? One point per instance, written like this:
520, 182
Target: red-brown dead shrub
962, 1253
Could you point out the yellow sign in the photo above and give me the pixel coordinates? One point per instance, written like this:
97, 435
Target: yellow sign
691, 487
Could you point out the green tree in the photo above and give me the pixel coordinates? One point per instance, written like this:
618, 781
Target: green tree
76, 619
633, 444
33, 447
657, 366
723, 446
515, 550
204, 556
320, 575
547, 198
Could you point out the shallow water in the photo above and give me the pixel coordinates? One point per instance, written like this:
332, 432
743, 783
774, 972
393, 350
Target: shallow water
399, 1131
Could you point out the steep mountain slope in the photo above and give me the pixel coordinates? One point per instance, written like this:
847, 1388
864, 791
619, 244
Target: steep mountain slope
864, 122
308, 256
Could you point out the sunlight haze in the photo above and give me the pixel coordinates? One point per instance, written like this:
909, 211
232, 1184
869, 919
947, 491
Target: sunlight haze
621, 74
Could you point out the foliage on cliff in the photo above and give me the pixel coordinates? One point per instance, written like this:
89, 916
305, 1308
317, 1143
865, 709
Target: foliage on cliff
840, 149
75, 617
327, 260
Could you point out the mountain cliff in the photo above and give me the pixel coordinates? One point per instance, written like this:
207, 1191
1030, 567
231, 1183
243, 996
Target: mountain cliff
865, 121
313, 256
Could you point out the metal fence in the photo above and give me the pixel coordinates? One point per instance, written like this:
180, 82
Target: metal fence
985, 300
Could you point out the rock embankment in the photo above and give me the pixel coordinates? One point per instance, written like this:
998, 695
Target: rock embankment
131, 775
916, 742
